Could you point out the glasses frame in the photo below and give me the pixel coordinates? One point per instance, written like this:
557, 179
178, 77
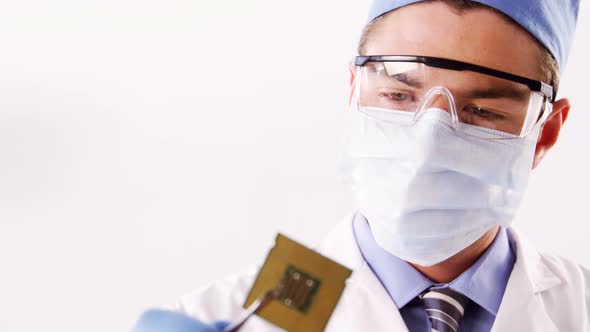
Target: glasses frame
536, 86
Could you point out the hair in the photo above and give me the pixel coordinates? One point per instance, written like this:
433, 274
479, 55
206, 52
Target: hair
549, 68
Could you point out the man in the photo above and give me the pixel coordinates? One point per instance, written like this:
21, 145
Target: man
454, 103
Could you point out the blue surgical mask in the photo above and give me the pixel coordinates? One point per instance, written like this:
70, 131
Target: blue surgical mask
427, 190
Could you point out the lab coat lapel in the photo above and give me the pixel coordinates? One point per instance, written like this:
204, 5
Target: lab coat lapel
522, 308
365, 305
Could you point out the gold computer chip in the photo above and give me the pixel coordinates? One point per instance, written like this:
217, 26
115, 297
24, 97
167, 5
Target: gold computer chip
308, 286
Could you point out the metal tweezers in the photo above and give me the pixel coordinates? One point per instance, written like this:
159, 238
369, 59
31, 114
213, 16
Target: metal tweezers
256, 306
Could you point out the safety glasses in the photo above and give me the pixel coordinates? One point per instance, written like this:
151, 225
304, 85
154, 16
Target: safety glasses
496, 101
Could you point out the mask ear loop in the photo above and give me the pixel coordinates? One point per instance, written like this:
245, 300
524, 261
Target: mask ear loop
429, 98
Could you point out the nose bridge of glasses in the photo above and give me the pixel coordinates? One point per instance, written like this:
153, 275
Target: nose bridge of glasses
439, 97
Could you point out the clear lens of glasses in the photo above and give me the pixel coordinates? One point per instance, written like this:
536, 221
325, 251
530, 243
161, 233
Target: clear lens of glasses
472, 98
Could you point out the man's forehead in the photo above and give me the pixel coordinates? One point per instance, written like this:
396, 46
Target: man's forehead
551, 22
482, 37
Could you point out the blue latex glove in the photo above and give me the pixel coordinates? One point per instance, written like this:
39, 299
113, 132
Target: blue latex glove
155, 320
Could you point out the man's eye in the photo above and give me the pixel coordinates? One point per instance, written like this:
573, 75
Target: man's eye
374, 67
399, 96
483, 113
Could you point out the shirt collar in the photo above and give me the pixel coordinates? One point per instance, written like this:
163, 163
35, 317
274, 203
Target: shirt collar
484, 282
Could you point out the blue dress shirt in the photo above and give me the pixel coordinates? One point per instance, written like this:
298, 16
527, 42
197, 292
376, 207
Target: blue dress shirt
483, 283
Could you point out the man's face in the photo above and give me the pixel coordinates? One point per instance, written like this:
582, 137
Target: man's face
478, 36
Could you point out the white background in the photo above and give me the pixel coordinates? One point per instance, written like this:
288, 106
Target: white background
149, 147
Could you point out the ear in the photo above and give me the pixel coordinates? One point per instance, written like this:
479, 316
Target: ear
550, 130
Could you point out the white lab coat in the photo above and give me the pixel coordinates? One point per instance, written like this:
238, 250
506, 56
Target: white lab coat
544, 293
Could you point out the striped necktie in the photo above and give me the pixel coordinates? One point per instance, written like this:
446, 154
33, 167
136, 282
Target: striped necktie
445, 308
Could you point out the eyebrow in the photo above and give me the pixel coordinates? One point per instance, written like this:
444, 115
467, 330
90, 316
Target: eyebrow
486, 93
499, 93
407, 80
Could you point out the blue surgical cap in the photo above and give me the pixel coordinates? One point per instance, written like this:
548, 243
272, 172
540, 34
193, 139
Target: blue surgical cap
552, 22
